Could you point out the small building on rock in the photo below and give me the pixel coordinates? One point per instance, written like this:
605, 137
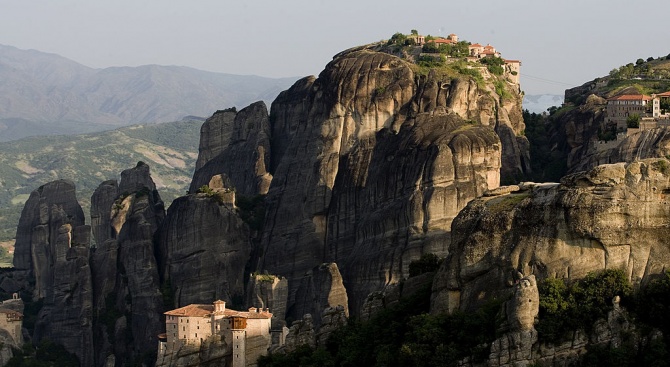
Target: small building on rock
246, 333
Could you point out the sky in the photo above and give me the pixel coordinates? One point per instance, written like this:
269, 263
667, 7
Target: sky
561, 44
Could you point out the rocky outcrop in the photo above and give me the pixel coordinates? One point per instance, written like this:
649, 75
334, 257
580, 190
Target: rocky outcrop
371, 162
304, 332
125, 218
321, 288
332, 319
104, 257
574, 135
136, 220
205, 247
521, 313
392, 294
212, 352
300, 333
53, 245
654, 143
267, 291
520, 346
614, 216
237, 145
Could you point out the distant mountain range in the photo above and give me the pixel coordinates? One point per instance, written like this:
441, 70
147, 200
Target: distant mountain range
43, 93
170, 149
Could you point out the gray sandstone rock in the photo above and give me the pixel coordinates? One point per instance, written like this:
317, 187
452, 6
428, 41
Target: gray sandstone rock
52, 243
205, 247
268, 291
369, 171
612, 217
321, 288
236, 144
125, 272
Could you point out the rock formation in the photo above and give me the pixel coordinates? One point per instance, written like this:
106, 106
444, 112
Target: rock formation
52, 243
521, 311
267, 291
361, 171
369, 171
127, 295
236, 144
300, 333
614, 216
205, 247
321, 288
213, 352
519, 346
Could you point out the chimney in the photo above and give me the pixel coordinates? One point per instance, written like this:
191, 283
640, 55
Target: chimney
219, 306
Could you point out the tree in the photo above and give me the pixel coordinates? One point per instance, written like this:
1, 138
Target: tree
650, 58
633, 121
414, 32
494, 64
639, 62
398, 39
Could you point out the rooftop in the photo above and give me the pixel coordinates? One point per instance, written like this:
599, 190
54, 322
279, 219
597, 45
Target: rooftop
206, 310
630, 97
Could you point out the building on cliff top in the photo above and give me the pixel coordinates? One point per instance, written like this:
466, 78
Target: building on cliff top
648, 108
246, 333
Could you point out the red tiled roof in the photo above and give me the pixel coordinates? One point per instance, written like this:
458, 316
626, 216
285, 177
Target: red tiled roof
442, 40
664, 94
630, 97
512, 61
199, 310
488, 47
193, 310
475, 45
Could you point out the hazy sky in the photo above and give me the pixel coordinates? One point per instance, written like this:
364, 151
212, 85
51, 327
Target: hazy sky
560, 43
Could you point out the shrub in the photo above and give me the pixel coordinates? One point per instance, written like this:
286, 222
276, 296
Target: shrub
566, 308
633, 121
494, 64
427, 263
205, 189
431, 61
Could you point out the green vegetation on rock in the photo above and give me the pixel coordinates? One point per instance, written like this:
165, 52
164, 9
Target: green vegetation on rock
403, 335
565, 308
44, 354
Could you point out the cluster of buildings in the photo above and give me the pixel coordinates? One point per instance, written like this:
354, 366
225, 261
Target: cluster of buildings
248, 334
620, 108
476, 52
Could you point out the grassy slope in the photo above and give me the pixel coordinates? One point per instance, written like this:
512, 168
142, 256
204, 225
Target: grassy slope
170, 149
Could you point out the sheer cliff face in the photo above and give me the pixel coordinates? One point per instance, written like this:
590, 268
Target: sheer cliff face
614, 216
370, 164
52, 243
207, 247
